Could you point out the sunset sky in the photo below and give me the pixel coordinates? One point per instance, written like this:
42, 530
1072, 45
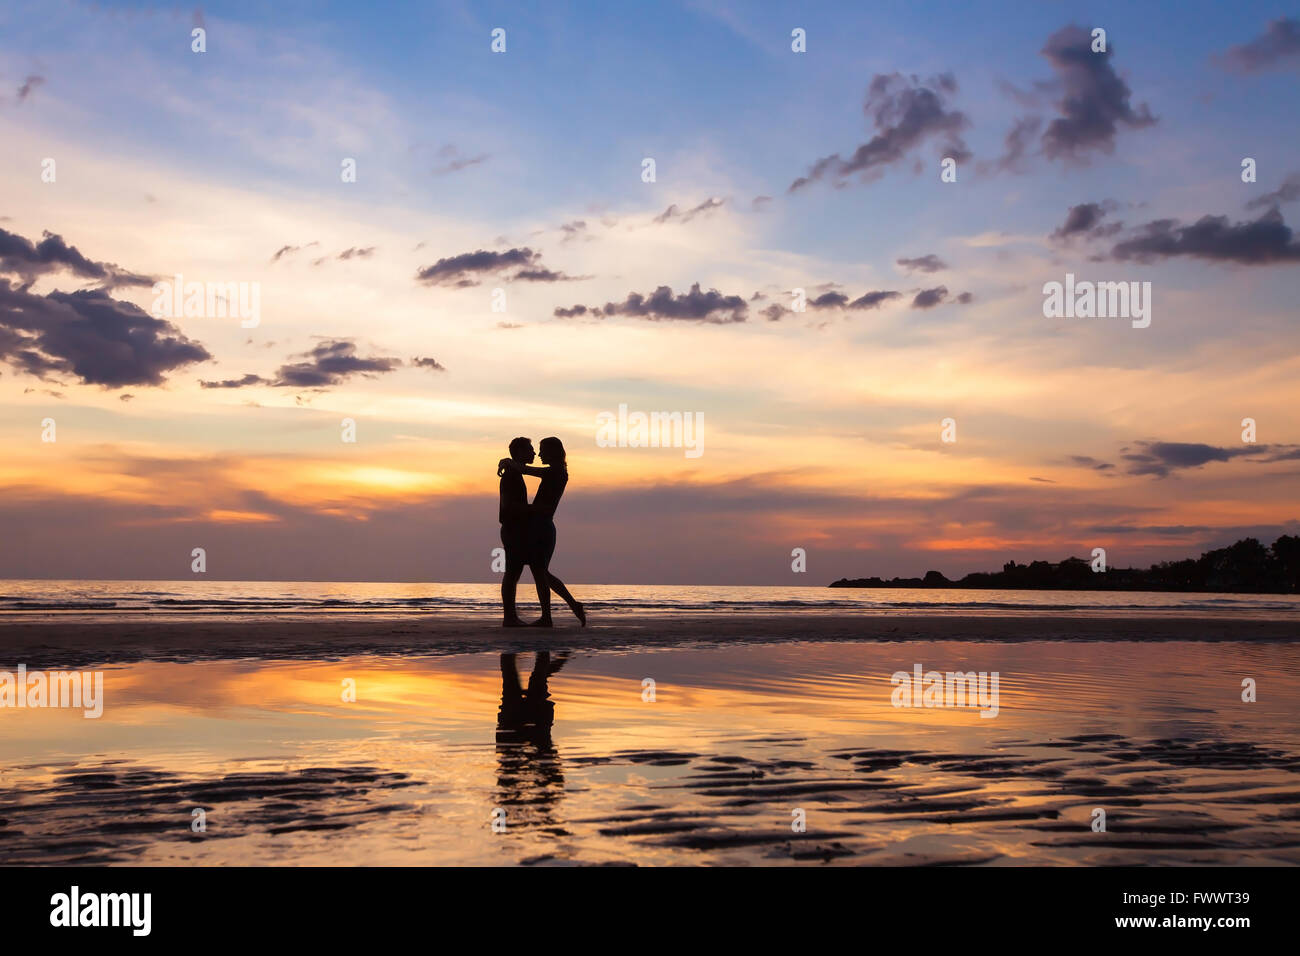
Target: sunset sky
522, 171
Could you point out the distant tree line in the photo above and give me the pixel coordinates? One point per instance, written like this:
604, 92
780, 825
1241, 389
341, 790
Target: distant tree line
1246, 567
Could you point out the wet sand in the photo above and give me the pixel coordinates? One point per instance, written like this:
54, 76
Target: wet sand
737, 745
1169, 802
75, 641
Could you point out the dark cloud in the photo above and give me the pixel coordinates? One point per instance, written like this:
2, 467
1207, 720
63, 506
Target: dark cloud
672, 214
574, 230
1087, 461
1265, 240
331, 363
467, 269
353, 252
830, 300
454, 162
460, 270
966, 298
90, 335
29, 86
1162, 458
290, 250
542, 275
1177, 530
928, 263
1094, 101
247, 380
873, 300
1016, 143
1289, 191
929, 298
905, 113
1085, 220
1080, 218
694, 306
1279, 45
21, 257
429, 363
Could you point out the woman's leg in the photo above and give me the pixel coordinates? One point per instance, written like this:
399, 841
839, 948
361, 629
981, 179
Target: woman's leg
542, 578
543, 547
574, 605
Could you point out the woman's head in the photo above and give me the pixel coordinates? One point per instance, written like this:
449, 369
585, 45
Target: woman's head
551, 451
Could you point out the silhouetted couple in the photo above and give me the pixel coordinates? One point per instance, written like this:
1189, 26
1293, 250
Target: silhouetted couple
529, 773
528, 530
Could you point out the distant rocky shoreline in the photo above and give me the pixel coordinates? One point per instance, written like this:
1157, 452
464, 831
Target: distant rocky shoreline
1247, 567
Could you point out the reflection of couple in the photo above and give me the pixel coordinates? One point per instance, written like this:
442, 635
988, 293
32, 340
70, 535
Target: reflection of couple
528, 531
528, 767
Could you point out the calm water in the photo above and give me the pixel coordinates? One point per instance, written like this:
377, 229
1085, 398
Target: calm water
260, 597
736, 740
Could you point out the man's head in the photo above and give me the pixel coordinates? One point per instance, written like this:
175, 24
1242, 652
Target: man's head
521, 450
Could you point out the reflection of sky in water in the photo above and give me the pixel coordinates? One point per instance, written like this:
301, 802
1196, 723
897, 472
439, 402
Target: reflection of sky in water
710, 771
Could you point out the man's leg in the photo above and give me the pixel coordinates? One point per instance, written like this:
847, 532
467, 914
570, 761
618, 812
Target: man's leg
509, 580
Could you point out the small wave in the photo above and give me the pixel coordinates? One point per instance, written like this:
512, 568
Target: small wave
61, 606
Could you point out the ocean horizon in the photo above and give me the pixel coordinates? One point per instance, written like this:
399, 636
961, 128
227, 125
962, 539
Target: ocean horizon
112, 598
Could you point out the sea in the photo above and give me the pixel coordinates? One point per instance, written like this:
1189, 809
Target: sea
207, 597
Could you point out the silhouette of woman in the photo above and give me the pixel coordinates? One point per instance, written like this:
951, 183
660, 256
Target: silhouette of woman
541, 526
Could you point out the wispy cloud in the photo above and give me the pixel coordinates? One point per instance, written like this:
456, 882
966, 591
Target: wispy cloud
1277, 46
906, 113
691, 306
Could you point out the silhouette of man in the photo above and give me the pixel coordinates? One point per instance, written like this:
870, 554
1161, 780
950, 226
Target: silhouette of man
514, 516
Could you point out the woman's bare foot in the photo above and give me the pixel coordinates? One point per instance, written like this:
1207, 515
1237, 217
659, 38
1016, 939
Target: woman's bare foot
580, 613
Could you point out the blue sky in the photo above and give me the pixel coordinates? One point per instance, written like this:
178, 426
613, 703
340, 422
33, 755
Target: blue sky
586, 89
